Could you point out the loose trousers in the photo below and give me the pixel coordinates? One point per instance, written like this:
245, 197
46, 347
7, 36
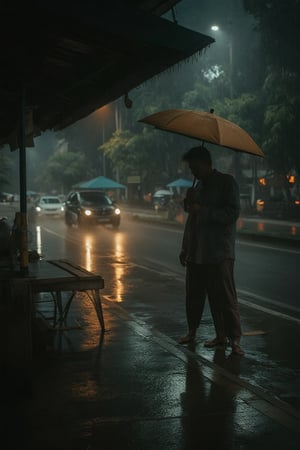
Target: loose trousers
215, 281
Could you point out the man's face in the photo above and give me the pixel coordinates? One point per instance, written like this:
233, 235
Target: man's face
200, 169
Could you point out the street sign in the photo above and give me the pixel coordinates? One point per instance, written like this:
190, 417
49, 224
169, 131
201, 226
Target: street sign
134, 179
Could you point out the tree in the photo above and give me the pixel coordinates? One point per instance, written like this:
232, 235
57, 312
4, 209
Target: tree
278, 25
62, 170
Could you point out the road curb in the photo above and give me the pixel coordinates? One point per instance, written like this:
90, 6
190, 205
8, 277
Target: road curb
255, 396
257, 237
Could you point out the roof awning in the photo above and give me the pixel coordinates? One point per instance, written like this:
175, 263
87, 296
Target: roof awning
74, 57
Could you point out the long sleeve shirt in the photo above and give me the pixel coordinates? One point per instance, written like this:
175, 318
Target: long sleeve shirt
209, 234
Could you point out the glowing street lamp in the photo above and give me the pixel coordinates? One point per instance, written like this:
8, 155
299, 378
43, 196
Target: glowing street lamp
216, 28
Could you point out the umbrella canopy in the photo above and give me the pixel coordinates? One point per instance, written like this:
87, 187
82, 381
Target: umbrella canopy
205, 126
181, 183
100, 183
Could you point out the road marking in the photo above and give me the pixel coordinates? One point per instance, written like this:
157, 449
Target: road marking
157, 271
164, 227
61, 236
165, 270
241, 292
260, 298
240, 242
269, 311
268, 247
250, 304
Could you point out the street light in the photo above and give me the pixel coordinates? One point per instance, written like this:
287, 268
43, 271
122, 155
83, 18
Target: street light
216, 28
103, 113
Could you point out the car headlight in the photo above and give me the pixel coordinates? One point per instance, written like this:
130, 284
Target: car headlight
87, 212
62, 208
38, 208
117, 211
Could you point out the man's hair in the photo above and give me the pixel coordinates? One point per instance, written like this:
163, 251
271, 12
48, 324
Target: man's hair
199, 152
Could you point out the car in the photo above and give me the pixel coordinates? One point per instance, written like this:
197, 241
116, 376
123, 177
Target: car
161, 199
84, 208
6, 197
48, 205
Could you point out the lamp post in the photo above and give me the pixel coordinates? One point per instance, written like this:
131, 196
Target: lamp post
216, 29
103, 154
102, 116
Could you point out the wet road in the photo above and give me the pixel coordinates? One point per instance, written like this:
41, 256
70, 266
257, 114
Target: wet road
266, 273
140, 268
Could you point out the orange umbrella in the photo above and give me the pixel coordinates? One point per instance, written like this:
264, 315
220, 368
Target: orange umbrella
205, 126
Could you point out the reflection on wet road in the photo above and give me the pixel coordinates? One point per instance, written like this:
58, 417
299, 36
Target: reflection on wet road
279, 228
265, 275
139, 265
269, 274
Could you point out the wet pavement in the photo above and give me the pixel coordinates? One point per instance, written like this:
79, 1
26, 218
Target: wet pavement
134, 387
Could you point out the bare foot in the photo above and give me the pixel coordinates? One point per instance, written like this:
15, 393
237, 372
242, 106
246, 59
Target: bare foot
186, 339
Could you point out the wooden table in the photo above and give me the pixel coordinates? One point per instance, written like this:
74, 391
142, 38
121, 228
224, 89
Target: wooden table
57, 276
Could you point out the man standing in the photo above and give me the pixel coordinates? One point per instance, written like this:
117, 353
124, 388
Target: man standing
208, 250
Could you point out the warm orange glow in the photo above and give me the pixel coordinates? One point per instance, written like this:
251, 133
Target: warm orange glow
262, 181
297, 202
292, 179
180, 217
260, 204
88, 247
119, 268
103, 108
240, 223
294, 230
260, 226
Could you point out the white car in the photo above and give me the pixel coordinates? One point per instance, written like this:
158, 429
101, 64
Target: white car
49, 205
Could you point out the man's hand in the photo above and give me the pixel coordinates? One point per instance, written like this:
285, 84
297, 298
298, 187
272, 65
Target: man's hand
182, 258
201, 211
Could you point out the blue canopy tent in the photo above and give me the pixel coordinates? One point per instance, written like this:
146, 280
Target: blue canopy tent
101, 182
180, 183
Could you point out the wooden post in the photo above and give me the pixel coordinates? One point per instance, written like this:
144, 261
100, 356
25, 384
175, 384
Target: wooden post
23, 190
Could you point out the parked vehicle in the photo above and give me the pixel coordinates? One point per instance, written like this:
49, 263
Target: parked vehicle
161, 199
91, 208
6, 197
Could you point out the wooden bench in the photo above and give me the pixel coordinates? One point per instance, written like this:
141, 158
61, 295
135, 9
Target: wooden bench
57, 276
